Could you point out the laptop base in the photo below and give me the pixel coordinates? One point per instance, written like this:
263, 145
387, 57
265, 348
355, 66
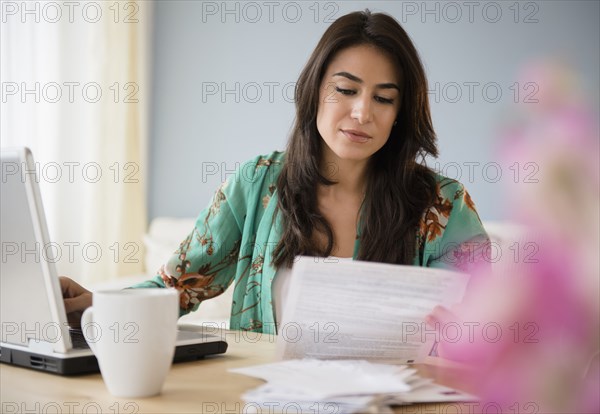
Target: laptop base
89, 364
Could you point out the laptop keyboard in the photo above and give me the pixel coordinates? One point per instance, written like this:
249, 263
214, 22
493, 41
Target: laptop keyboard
79, 342
77, 339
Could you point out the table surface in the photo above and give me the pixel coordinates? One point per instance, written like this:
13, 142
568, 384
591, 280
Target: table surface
200, 386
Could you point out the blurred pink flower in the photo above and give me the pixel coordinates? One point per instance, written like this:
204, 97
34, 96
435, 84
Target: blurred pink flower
548, 310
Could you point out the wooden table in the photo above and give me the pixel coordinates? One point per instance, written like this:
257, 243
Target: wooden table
201, 386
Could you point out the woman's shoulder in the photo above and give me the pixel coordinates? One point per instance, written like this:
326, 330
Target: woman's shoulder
252, 180
274, 158
260, 168
452, 196
448, 188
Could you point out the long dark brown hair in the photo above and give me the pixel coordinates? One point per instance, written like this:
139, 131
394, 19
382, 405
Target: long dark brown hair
399, 186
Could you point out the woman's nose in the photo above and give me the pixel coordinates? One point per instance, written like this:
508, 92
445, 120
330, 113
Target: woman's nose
361, 110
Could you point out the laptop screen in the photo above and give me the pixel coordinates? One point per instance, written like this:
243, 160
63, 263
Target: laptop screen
30, 298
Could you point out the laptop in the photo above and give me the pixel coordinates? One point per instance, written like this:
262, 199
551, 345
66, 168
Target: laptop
34, 330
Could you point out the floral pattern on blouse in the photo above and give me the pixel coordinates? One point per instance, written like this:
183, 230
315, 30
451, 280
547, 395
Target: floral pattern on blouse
459, 253
233, 240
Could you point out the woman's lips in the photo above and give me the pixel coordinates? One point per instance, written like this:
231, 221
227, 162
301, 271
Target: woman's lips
356, 136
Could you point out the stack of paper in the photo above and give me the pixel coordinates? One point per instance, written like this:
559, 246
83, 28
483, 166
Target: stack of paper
340, 386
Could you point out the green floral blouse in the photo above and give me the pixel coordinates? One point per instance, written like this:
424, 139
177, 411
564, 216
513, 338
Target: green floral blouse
234, 238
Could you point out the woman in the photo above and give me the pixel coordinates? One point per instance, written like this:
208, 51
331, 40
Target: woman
349, 185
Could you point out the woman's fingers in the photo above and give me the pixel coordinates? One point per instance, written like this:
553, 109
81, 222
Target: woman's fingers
70, 288
440, 315
75, 296
78, 303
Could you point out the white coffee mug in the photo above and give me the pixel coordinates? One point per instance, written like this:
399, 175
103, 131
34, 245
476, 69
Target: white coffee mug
132, 332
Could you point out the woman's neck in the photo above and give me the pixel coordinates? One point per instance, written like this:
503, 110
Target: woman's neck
350, 175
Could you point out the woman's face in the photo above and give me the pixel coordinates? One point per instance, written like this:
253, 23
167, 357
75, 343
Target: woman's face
359, 99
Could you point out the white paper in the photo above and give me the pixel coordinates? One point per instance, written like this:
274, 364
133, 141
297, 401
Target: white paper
340, 309
272, 398
341, 386
431, 393
323, 380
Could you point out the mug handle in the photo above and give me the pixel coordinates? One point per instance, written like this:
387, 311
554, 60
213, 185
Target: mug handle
87, 327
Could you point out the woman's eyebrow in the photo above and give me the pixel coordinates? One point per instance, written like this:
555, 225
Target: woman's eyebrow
356, 79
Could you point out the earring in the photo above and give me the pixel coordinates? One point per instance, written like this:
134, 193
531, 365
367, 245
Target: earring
395, 122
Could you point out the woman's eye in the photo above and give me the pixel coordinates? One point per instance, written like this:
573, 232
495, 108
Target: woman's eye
384, 100
344, 91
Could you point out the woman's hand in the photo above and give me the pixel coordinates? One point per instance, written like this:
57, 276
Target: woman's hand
438, 319
76, 299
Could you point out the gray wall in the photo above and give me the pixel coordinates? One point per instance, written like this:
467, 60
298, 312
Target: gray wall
198, 137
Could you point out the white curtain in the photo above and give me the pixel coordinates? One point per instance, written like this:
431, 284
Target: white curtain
75, 89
